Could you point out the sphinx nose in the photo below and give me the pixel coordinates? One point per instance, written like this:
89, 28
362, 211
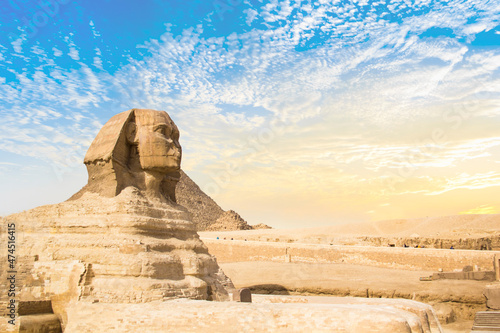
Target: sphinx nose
176, 150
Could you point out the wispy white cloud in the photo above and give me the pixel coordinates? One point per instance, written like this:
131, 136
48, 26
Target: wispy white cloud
471, 182
95, 32
57, 52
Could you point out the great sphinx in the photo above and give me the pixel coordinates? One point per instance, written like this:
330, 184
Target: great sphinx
138, 148
122, 238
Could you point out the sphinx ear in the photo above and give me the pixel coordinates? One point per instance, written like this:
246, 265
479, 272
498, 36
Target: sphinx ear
131, 133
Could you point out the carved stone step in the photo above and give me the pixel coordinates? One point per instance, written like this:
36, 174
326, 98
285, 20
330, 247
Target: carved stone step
487, 321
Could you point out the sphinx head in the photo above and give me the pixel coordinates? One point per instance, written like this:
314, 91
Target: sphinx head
157, 140
137, 148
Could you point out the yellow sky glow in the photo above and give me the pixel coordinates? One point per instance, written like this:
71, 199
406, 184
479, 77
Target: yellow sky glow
484, 209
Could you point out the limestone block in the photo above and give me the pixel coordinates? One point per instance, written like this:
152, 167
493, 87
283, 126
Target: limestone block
242, 295
496, 265
492, 294
445, 313
40, 323
486, 321
202, 316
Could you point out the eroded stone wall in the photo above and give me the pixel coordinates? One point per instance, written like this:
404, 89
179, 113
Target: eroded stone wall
400, 258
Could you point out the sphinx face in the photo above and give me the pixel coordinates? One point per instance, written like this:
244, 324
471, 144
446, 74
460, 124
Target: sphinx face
158, 141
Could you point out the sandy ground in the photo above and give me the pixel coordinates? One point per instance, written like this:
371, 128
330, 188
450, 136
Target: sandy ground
338, 277
361, 281
456, 301
458, 327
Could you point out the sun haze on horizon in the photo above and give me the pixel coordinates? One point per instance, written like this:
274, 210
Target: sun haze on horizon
292, 113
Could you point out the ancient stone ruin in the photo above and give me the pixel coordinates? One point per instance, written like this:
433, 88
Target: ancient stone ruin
242, 295
122, 255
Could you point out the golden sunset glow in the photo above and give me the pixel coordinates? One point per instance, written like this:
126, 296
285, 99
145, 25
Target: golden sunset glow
481, 210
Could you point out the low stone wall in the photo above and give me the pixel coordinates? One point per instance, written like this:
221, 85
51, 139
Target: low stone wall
478, 243
477, 276
491, 242
389, 257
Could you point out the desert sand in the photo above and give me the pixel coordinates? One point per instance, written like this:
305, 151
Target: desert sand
454, 227
464, 298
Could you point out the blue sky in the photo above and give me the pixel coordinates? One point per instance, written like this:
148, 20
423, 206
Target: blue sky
293, 113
